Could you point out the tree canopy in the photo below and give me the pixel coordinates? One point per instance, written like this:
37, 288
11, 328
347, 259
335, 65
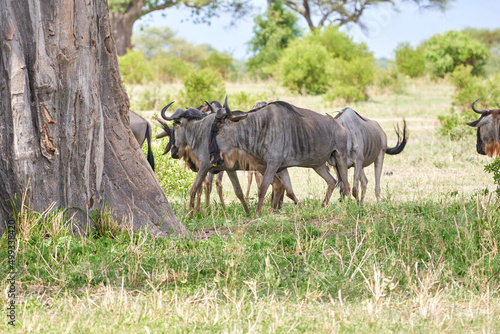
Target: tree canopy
320, 13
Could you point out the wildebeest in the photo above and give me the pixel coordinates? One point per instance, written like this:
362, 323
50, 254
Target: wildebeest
142, 131
488, 131
366, 145
189, 141
208, 181
277, 136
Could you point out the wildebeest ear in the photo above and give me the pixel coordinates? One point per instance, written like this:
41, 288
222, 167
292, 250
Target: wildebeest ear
478, 123
237, 118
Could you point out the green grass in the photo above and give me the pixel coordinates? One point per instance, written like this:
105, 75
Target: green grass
425, 259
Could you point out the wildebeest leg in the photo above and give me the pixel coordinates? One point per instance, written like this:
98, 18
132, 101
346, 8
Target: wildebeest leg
207, 185
358, 169
378, 172
249, 183
364, 182
285, 177
341, 165
237, 189
271, 169
278, 193
198, 195
202, 173
218, 185
330, 181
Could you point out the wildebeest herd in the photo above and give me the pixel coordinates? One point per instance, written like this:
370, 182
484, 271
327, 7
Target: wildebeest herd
275, 136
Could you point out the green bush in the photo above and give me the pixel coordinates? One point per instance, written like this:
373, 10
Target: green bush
303, 67
494, 167
350, 79
168, 69
410, 61
445, 52
134, 67
200, 86
327, 61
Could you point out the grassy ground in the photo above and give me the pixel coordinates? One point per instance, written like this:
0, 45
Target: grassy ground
423, 260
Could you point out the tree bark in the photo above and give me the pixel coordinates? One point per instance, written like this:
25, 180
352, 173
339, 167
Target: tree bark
64, 126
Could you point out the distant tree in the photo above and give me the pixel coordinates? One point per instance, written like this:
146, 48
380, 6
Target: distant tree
273, 31
410, 61
341, 12
124, 13
490, 38
444, 52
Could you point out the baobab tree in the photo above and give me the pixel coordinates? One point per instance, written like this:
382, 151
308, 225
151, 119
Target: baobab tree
64, 125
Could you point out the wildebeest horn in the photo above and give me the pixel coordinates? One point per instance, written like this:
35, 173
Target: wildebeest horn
484, 111
165, 109
210, 107
166, 130
226, 106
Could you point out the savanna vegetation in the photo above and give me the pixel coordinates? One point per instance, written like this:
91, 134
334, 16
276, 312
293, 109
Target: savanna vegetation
424, 259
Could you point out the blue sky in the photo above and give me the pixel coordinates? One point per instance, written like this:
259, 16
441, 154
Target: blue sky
386, 26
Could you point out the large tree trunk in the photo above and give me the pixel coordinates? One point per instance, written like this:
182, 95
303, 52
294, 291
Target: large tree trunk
64, 125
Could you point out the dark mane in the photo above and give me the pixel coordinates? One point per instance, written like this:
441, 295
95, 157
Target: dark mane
341, 112
195, 117
283, 104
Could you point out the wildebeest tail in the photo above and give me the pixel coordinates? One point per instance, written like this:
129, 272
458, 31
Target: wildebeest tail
401, 141
150, 158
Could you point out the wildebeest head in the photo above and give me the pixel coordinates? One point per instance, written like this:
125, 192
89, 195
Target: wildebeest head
177, 143
209, 107
223, 115
488, 131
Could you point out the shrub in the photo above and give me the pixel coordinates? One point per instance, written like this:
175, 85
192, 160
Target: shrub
200, 86
410, 61
170, 69
445, 52
303, 68
327, 61
350, 79
134, 67
494, 167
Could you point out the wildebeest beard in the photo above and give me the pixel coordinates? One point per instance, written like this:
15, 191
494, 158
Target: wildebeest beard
479, 143
213, 147
174, 149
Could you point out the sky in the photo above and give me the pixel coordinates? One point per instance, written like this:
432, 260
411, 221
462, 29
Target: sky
386, 27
